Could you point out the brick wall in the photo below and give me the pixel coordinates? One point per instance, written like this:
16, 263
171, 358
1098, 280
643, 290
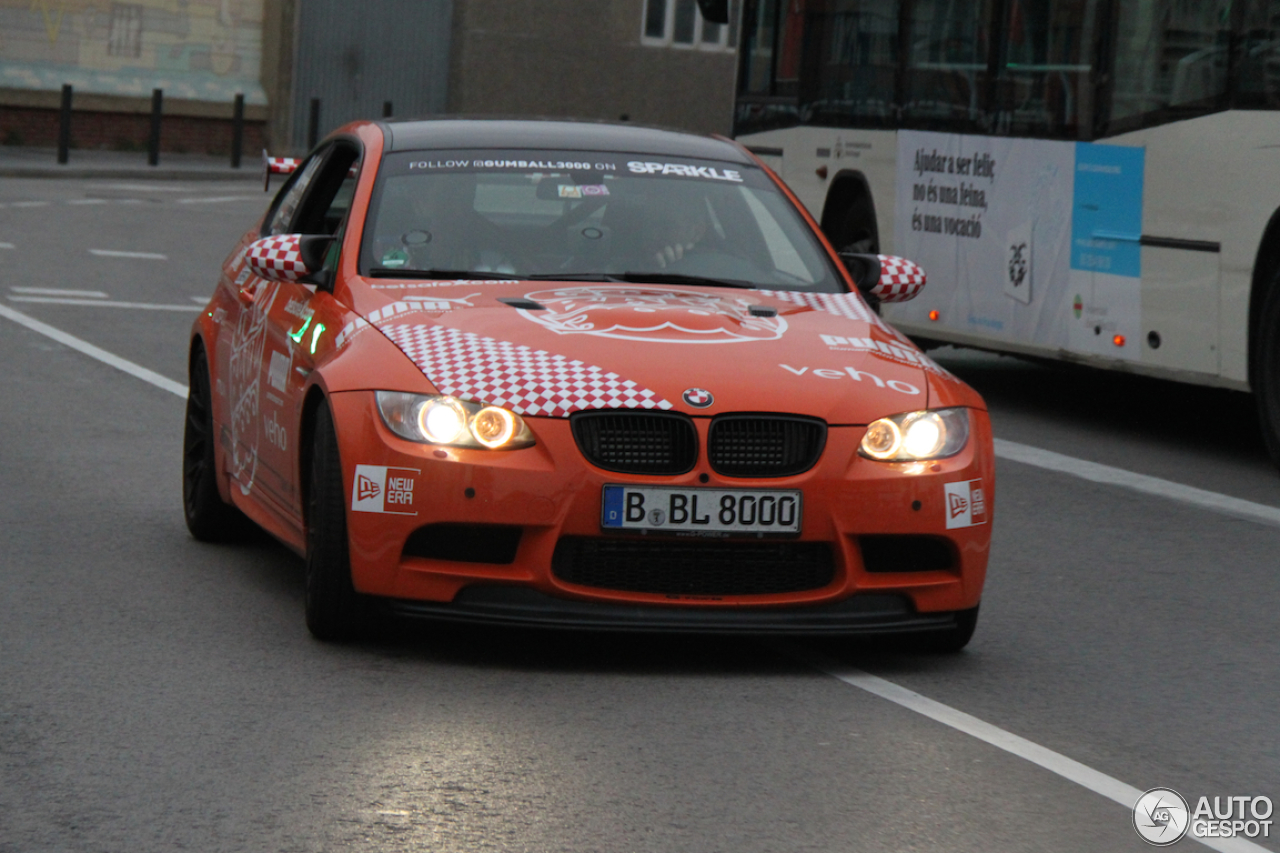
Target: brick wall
126, 131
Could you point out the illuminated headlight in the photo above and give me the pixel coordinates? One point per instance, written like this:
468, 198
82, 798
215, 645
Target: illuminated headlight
439, 419
917, 436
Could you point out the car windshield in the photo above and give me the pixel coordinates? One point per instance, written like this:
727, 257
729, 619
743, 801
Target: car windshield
590, 216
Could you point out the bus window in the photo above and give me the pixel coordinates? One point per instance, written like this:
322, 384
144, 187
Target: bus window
1171, 61
757, 44
790, 48
946, 76
1045, 86
684, 22
852, 68
1258, 75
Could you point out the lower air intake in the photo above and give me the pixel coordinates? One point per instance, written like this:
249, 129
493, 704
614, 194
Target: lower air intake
465, 543
889, 553
694, 567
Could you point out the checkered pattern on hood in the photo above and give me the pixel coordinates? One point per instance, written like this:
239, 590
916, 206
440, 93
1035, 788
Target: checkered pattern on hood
526, 381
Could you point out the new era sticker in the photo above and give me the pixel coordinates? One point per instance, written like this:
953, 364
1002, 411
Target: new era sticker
378, 488
966, 504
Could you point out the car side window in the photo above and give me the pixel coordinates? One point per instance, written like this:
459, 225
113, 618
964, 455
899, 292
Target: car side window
291, 195
324, 207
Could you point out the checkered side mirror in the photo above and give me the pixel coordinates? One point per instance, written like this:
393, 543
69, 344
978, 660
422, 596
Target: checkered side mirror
900, 279
287, 257
886, 278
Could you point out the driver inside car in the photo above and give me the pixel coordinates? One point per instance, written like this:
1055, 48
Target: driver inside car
659, 234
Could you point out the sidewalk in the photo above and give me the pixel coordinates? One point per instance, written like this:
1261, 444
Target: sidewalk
17, 162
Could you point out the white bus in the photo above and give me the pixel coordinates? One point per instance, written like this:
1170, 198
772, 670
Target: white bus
1087, 180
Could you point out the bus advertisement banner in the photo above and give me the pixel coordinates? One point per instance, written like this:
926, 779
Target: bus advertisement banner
1026, 240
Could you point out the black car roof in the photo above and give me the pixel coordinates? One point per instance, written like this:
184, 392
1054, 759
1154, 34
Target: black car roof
468, 133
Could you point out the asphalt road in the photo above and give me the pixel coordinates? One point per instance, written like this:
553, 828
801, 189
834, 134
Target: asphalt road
159, 694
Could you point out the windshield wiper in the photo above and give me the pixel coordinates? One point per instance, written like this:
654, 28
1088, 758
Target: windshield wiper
681, 278
573, 276
395, 272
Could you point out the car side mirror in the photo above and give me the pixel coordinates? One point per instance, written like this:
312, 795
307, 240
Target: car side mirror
884, 278
291, 258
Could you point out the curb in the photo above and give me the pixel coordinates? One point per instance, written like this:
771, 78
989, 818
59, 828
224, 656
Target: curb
146, 173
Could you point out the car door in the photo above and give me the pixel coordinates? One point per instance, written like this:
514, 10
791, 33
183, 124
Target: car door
292, 332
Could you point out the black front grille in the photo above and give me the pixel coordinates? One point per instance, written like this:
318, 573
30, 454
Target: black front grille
764, 445
694, 567
631, 442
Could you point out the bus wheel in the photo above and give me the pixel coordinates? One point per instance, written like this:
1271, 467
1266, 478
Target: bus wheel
1267, 371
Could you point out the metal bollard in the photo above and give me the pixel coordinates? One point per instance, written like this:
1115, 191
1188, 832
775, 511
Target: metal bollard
64, 126
237, 131
153, 144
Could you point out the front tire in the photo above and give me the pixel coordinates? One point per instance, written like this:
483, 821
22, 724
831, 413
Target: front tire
1266, 374
208, 517
333, 607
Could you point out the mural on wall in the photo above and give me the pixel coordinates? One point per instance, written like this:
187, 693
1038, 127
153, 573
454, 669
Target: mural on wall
206, 50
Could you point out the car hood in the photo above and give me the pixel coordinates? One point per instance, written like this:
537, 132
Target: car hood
551, 349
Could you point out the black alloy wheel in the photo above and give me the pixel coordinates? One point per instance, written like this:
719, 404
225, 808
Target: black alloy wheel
334, 609
209, 518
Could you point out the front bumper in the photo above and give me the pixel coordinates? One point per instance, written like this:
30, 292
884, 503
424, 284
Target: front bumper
867, 614
548, 495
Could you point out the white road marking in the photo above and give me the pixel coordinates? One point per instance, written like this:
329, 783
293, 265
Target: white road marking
137, 306
200, 299
114, 253
28, 204
1107, 475
1056, 763
149, 188
128, 201
90, 350
87, 201
53, 291
218, 199
7, 246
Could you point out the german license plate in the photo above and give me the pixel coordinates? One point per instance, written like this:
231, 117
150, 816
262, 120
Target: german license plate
701, 510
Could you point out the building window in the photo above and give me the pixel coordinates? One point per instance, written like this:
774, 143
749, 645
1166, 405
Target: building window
678, 23
125, 35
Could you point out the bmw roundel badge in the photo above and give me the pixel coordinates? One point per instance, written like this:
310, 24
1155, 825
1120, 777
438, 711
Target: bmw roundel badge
699, 398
